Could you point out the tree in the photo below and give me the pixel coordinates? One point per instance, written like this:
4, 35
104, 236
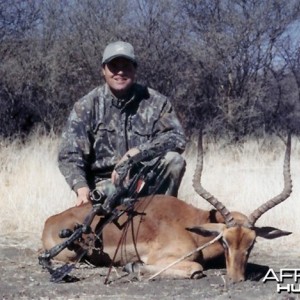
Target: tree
229, 66
235, 50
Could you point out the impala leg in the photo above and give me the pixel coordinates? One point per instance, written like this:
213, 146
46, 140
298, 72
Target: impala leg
182, 269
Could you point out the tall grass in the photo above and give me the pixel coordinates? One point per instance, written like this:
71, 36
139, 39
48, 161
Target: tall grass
242, 177
32, 187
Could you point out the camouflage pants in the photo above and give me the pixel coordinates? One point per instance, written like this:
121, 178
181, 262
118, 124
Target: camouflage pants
171, 169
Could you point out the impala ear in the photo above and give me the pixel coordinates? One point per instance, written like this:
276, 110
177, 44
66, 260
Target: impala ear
210, 229
270, 232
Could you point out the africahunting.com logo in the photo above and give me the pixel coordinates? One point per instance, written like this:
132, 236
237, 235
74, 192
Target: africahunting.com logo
288, 280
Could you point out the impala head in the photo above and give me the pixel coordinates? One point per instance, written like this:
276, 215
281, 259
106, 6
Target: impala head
239, 231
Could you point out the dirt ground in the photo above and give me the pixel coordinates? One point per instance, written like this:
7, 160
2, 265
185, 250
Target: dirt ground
23, 278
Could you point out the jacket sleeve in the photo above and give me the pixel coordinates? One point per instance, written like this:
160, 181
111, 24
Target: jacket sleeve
75, 147
167, 131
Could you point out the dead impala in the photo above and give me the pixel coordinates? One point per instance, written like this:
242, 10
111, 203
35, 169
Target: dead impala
165, 228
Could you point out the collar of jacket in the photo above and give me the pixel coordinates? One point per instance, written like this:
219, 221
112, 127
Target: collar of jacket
122, 103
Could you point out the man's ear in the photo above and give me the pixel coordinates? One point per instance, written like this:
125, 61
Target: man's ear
270, 232
210, 229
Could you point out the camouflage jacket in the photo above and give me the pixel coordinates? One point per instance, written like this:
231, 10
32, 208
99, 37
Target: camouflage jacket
101, 129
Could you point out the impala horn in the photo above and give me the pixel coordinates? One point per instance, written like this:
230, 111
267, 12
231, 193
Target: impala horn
287, 190
229, 221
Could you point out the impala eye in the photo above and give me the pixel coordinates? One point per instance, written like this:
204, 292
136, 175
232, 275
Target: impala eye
224, 243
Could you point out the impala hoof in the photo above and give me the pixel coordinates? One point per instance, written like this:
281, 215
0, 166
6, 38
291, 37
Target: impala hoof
132, 267
197, 275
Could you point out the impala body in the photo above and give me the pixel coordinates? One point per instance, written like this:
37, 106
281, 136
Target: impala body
166, 228
159, 231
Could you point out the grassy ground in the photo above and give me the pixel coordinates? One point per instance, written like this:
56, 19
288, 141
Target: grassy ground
242, 177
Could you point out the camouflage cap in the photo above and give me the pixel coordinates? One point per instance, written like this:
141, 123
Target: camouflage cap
118, 49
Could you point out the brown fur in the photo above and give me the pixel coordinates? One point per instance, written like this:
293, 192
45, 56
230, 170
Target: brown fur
160, 235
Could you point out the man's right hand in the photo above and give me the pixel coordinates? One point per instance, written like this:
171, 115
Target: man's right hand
83, 196
115, 176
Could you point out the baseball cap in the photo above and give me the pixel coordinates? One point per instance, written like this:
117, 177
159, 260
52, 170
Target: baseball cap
118, 49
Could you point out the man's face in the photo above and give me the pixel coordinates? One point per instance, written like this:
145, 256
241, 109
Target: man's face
119, 74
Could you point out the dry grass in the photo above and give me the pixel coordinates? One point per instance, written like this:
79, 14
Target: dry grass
32, 187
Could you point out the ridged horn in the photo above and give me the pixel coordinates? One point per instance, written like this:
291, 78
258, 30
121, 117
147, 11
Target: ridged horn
287, 190
229, 221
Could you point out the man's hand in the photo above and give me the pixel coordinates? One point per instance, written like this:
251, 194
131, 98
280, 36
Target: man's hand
131, 152
83, 196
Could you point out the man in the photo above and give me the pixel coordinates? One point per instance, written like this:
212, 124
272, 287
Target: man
114, 122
